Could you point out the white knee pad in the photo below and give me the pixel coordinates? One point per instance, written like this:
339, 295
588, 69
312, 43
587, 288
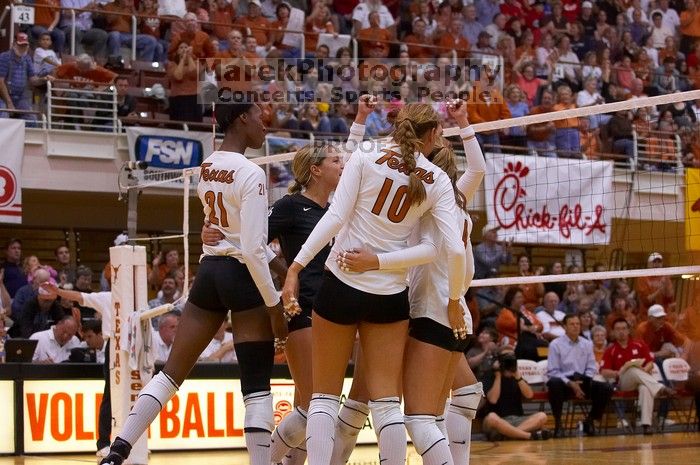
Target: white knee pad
385, 412
258, 412
465, 400
423, 431
292, 430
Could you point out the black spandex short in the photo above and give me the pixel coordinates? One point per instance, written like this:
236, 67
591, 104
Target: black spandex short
223, 284
302, 320
345, 305
431, 332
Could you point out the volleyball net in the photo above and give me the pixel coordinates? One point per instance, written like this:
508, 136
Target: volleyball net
596, 188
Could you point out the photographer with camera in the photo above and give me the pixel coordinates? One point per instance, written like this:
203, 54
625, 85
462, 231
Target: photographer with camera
505, 388
571, 367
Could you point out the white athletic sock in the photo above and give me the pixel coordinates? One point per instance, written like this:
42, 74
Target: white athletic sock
441, 423
390, 429
296, 456
289, 434
320, 428
351, 419
429, 442
461, 412
148, 405
258, 445
257, 425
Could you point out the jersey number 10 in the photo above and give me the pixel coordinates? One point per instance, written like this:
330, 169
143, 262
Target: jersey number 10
212, 198
399, 205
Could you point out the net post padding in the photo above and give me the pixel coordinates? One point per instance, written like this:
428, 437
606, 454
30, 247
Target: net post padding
129, 292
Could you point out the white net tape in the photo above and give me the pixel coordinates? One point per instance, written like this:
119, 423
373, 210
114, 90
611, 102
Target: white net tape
158, 178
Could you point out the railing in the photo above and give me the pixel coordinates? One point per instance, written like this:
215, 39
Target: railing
658, 150
40, 117
72, 106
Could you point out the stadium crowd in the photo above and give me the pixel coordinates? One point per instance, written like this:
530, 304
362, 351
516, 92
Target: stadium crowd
552, 55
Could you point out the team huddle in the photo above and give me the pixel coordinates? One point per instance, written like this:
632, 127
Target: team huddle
396, 273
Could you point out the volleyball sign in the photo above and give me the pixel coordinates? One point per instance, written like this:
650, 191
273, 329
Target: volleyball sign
12, 135
538, 200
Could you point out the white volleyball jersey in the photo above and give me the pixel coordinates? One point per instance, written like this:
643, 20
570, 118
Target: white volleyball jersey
370, 206
233, 191
428, 281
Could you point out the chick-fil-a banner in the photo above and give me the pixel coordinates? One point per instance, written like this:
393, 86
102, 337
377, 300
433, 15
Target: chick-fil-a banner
538, 200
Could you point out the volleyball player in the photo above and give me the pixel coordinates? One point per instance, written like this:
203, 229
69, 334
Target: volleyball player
291, 219
232, 276
380, 199
434, 350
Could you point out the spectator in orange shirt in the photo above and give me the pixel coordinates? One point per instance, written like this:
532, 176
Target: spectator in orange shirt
567, 135
690, 24
46, 18
652, 290
589, 139
507, 324
221, 11
487, 104
663, 340
199, 41
119, 29
201, 15
320, 20
453, 39
259, 26
621, 309
418, 36
540, 137
374, 40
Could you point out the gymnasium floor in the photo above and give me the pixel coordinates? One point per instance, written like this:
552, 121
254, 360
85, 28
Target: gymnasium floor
666, 449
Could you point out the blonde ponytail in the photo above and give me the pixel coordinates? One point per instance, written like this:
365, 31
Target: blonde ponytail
304, 159
443, 156
413, 122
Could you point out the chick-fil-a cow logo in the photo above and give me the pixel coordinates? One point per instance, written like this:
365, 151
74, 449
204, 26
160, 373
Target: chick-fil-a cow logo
512, 211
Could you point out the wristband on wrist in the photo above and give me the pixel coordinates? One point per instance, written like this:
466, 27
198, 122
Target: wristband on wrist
467, 133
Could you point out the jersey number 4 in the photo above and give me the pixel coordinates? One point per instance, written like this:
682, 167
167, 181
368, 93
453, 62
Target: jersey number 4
399, 205
213, 199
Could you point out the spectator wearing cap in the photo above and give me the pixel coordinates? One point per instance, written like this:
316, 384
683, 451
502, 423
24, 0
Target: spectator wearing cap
47, 15
482, 45
652, 290
120, 34
16, 73
586, 18
471, 27
92, 40
198, 41
258, 25
663, 339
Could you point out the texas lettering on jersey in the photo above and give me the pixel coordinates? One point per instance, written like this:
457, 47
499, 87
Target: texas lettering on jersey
393, 160
224, 176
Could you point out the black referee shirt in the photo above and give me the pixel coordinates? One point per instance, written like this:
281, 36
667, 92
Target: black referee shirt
291, 219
